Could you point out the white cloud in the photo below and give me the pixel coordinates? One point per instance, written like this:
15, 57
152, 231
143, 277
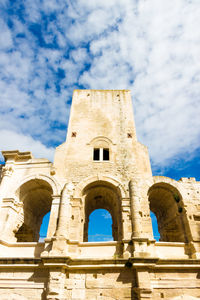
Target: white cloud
11, 140
79, 55
100, 237
151, 47
5, 36
157, 45
106, 215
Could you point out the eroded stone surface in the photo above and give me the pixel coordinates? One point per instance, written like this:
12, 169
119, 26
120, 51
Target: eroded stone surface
101, 165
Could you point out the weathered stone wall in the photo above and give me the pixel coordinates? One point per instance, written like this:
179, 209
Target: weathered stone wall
168, 284
65, 265
101, 119
23, 283
100, 284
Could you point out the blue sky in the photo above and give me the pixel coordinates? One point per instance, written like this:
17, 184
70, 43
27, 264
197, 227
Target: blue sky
49, 48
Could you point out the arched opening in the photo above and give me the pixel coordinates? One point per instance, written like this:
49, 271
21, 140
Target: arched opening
166, 203
35, 197
103, 195
100, 226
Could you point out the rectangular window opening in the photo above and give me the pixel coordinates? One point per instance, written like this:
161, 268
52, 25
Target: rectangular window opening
96, 154
105, 154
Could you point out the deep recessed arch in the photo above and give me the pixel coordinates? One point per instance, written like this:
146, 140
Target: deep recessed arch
103, 195
56, 187
35, 198
113, 181
166, 203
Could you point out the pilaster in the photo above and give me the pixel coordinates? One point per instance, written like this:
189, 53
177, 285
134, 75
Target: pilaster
144, 289
53, 215
7, 172
56, 284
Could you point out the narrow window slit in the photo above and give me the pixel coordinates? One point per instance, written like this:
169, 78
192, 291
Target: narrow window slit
96, 154
105, 154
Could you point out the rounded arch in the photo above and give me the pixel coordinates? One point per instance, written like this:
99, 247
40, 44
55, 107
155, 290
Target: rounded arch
56, 188
164, 179
166, 203
100, 138
91, 179
101, 194
35, 199
167, 186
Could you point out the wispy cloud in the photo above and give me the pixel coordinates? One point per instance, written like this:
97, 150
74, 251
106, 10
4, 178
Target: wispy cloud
100, 238
106, 215
151, 47
23, 142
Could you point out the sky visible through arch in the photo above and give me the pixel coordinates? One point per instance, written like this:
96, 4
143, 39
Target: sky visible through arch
104, 231
100, 226
49, 48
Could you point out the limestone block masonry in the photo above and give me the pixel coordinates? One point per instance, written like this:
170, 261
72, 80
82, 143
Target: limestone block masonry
101, 165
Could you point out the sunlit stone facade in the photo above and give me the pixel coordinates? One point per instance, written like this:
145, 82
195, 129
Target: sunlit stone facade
101, 165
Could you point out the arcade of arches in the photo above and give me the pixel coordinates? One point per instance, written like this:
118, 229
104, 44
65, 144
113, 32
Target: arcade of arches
165, 202
101, 165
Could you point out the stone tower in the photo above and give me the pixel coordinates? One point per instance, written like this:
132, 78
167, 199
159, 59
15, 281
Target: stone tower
105, 162
101, 165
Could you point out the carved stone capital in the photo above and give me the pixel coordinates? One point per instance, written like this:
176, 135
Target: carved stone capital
7, 171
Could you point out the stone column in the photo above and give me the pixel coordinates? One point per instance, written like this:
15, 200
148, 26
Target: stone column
6, 174
8, 207
135, 208
53, 215
59, 245
142, 246
62, 229
85, 229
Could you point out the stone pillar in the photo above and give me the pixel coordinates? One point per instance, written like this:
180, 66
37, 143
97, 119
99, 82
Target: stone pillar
8, 210
6, 174
56, 285
144, 289
85, 230
64, 211
59, 245
76, 221
10, 219
141, 246
135, 208
53, 215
